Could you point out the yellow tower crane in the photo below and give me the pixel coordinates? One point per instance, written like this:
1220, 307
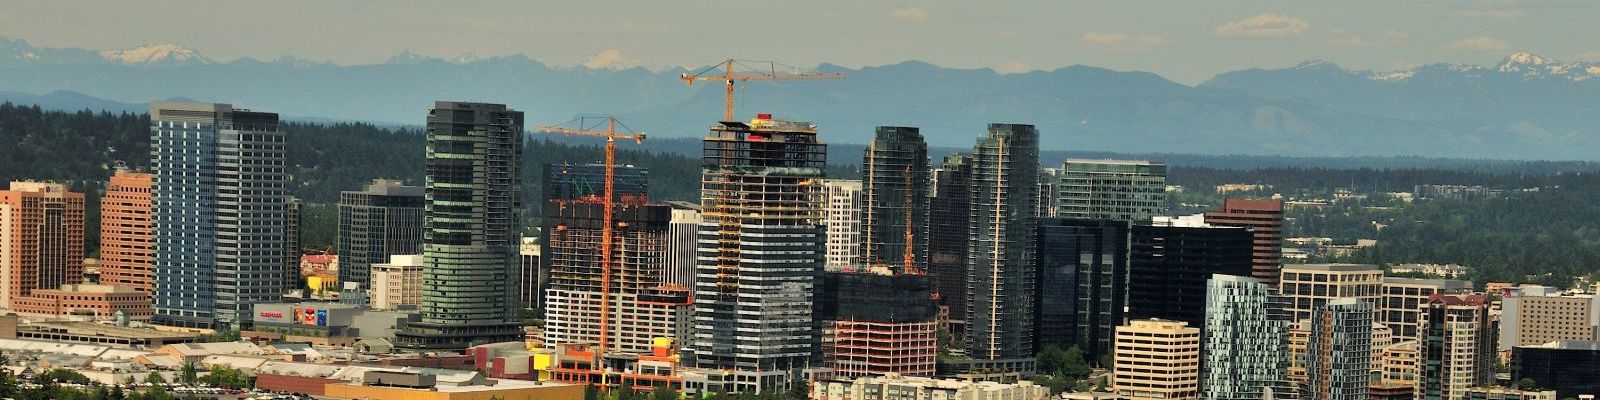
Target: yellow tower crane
731, 71
591, 127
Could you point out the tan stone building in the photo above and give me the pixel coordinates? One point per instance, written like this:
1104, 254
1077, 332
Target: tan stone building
1156, 359
397, 283
1535, 315
1309, 286
127, 232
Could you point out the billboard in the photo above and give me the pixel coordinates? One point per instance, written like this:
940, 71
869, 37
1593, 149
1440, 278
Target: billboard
311, 316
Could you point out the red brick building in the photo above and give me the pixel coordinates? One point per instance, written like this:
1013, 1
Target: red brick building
1264, 218
41, 225
127, 232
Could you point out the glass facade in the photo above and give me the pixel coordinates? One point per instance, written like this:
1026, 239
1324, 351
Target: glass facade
1168, 267
1111, 189
470, 243
384, 219
894, 198
1339, 354
1244, 342
1082, 283
1000, 295
219, 203
948, 215
1566, 366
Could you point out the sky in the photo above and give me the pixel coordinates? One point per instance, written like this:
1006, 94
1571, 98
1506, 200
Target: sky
1186, 41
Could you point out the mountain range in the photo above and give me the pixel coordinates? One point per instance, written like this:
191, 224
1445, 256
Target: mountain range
1525, 107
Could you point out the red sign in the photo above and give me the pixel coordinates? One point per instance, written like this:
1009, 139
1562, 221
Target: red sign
272, 314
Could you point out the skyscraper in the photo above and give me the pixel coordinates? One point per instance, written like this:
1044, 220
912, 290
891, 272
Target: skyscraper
1244, 340
1005, 174
1265, 219
1404, 299
1168, 266
894, 198
948, 216
1310, 286
1534, 315
127, 232
577, 288
41, 239
761, 249
841, 221
1456, 347
469, 242
1339, 354
1082, 283
1111, 189
682, 243
533, 278
382, 220
220, 211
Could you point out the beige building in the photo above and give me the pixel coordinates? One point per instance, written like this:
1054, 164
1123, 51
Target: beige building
1309, 286
841, 208
1397, 364
1156, 359
397, 283
896, 387
1534, 315
1403, 299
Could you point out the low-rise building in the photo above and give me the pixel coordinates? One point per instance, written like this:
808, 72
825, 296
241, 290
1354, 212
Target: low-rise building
896, 387
1500, 393
85, 300
398, 283
322, 323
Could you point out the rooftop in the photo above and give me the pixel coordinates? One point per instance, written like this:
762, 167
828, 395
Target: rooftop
1569, 345
1332, 267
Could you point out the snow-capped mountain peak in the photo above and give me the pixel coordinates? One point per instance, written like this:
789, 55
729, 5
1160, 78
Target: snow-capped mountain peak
160, 53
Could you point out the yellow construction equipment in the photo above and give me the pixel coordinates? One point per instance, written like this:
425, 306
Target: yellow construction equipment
590, 126
732, 71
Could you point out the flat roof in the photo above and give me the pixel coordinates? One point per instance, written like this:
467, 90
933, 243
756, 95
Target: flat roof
1445, 283
1332, 267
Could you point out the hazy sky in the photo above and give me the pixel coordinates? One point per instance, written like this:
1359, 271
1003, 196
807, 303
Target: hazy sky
1187, 41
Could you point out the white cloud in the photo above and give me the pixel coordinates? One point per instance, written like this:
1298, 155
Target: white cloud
1264, 25
1120, 42
1480, 43
610, 59
1485, 13
1340, 38
908, 14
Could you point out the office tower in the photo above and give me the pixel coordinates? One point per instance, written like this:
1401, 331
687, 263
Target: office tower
948, 216
578, 181
1339, 354
1049, 180
1403, 299
1244, 338
681, 243
879, 323
1081, 290
894, 198
469, 239
291, 242
579, 288
381, 220
841, 220
1309, 286
396, 282
1168, 265
220, 211
1456, 347
1265, 219
1534, 315
761, 249
533, 277
1000, 298
1111, 189
1156, 359
41, 239
127, 232
1566, 366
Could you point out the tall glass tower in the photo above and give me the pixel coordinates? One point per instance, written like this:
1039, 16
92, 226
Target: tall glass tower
894, 198
220, 201
470, 243
1000, 262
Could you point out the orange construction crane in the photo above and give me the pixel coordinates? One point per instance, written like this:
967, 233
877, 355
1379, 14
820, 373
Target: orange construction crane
732, 70
590, 126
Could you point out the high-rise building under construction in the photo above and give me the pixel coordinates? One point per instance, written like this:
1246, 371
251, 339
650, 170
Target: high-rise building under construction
469, 242
761, 254
1005, 174
894, 198
641, 309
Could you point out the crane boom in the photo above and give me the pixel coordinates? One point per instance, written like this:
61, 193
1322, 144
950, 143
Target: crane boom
582, 127
731, 71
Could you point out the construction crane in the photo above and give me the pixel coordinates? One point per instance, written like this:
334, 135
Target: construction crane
731, 71
590, 126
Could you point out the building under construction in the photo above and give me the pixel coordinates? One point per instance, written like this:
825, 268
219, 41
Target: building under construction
894, 198
879, 323
760, 255
642, 308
